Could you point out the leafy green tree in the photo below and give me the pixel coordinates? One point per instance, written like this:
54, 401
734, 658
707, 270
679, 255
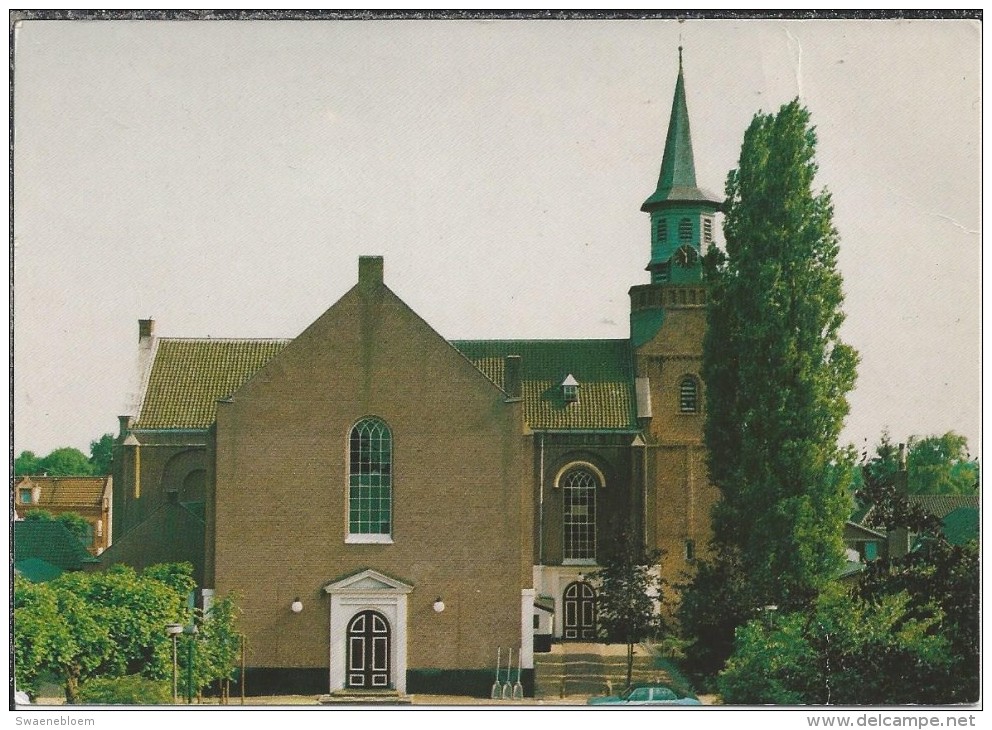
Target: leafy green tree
66, 462
630, 591
135, 608
936, 573
218, 643
941, 465
840, 651
776, 370
717, 599
27, 463
935, 464
101, 454
112, 624
56, 632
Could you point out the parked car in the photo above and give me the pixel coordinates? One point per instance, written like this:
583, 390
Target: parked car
647, 694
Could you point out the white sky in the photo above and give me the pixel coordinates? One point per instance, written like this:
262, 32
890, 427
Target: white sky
224, 178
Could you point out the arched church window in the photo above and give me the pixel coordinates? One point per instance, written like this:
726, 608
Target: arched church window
370, 480
689, 395
685, 230
579, 492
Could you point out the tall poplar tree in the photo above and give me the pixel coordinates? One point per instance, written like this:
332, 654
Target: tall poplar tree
777, 374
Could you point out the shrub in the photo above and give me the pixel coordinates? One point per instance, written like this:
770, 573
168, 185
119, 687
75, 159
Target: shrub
128, 690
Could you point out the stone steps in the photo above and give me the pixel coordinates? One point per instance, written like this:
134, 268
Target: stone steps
590, 670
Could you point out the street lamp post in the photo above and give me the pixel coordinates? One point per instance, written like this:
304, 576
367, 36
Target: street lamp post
173, 630
191, 631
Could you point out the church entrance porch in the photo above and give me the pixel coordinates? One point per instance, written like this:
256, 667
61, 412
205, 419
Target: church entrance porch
368, 633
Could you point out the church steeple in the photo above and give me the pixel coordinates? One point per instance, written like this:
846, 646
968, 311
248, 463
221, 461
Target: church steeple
681, 211
677, 181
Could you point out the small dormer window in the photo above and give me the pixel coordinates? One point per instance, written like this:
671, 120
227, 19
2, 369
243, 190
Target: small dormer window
24, 495
570, 389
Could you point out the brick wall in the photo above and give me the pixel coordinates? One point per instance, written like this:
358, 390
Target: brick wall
462, 520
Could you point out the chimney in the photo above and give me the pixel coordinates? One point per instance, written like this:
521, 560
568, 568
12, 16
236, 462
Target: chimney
511, 376
370, 270
146, 329
899, 538
125, 424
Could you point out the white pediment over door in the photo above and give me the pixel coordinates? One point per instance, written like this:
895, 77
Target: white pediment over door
367, 581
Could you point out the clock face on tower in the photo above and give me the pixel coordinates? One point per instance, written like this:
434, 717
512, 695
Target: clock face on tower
685, 256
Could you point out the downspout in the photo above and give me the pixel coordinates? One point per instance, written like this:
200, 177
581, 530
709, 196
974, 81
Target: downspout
540, 505
644, 496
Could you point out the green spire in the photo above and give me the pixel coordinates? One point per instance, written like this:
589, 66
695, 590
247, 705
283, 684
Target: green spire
677, 182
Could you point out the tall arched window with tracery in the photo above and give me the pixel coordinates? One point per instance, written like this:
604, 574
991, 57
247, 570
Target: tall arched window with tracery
370, 481
579, 486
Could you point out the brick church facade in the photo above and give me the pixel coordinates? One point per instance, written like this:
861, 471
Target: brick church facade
390, 506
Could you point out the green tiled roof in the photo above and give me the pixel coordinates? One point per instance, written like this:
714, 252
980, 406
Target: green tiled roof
37, 570
961, 525
941, 505
189, 376
603, 368
49, 541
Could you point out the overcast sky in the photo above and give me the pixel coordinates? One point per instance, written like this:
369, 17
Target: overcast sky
224, 178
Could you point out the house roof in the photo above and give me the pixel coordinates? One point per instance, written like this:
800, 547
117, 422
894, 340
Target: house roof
603, 369
941, 505
189, 376
172, 533
67, 492
961, 525
37, 570
858, 533
50, 541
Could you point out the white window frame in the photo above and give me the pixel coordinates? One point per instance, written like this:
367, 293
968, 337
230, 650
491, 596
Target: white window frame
599, 482
371, 538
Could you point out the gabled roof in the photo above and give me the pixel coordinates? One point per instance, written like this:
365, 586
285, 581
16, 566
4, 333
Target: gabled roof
189, 376
367, 580
603, 368
50, 541
67, 492
857, 532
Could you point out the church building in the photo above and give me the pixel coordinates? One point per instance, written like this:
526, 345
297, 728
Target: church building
392, 507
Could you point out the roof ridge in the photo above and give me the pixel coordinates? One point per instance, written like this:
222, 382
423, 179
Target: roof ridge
550, 339
225, 339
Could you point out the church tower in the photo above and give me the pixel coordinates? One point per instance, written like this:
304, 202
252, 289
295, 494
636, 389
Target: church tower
667, 325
